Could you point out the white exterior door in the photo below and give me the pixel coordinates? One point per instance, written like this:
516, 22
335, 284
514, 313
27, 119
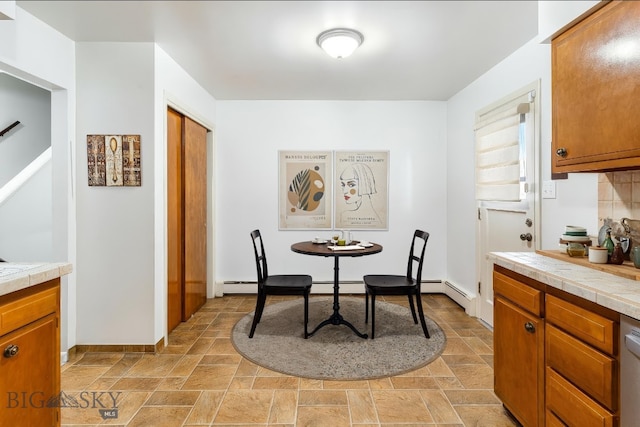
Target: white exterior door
500, 229
510, 226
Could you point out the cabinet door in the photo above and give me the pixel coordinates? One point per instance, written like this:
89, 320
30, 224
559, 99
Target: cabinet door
518, 362
595, 89
31, 377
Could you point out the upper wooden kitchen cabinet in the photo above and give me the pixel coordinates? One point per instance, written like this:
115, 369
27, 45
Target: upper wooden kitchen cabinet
595, 91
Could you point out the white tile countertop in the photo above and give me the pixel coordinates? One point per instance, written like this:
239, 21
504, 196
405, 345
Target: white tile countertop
15, 276
608, 290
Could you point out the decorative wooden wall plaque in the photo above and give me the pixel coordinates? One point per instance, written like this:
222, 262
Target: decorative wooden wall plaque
114, 160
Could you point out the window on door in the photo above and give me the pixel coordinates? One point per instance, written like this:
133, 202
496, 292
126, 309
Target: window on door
501, 149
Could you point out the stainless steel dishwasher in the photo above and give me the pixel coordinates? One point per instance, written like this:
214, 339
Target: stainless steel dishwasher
629, 372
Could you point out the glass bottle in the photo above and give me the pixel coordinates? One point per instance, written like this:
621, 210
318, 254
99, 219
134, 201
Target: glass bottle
608, 243
617, 257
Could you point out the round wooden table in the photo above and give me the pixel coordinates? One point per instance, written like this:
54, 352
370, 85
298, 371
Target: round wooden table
324, 250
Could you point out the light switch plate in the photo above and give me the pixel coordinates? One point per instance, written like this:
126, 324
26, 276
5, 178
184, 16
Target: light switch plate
549, 190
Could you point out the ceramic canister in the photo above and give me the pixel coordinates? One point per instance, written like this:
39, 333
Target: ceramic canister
598, 255
635, 256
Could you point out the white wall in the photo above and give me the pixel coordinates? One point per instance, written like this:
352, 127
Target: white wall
553, 15
34, 52
26, 218
7, 9
31, 106
173, 86
249, 135
576, 197
124, 88
115, 225
26, 221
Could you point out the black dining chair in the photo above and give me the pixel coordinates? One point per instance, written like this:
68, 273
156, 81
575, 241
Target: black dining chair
280, 284
409, 284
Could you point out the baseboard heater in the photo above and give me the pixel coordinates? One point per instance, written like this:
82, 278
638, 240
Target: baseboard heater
324, 287
462, 298
321, 286
456, 289
319, 282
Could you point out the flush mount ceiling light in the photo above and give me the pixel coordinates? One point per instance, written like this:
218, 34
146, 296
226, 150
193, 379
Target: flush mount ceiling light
339, 42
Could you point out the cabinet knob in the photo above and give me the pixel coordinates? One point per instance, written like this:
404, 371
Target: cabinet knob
562, 152
11, 350
530, 327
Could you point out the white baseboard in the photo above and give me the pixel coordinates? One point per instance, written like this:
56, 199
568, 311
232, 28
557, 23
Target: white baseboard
64, 357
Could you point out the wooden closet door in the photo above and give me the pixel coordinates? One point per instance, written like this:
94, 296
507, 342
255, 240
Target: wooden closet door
195, 216
175, 252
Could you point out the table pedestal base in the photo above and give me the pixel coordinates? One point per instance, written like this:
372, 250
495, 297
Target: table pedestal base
336, 318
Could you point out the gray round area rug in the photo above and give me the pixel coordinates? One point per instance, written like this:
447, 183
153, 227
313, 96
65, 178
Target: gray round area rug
335, 352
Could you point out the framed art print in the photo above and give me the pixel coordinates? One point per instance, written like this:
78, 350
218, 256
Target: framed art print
304, 191
361, 190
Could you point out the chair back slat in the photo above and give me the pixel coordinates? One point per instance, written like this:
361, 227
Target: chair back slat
261, 257
416, 256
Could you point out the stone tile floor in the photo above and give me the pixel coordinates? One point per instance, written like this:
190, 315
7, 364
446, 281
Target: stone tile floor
200, 380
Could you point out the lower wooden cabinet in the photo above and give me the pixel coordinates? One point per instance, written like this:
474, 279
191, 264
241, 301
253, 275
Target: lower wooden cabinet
590, 370
30, 359
553, 421
556, 359
592, 328
581, 355
518, 337
573, 407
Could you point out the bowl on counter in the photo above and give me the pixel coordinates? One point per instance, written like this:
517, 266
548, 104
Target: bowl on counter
572, 238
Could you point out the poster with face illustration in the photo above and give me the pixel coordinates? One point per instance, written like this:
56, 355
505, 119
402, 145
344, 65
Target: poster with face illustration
305, 190
361, 190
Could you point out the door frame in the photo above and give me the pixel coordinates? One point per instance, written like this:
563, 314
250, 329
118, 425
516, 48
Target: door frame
534, 189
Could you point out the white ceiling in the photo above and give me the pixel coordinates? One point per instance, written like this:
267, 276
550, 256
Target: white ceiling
412, 50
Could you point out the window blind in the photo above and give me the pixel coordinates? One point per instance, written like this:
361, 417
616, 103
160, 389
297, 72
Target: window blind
498, 153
